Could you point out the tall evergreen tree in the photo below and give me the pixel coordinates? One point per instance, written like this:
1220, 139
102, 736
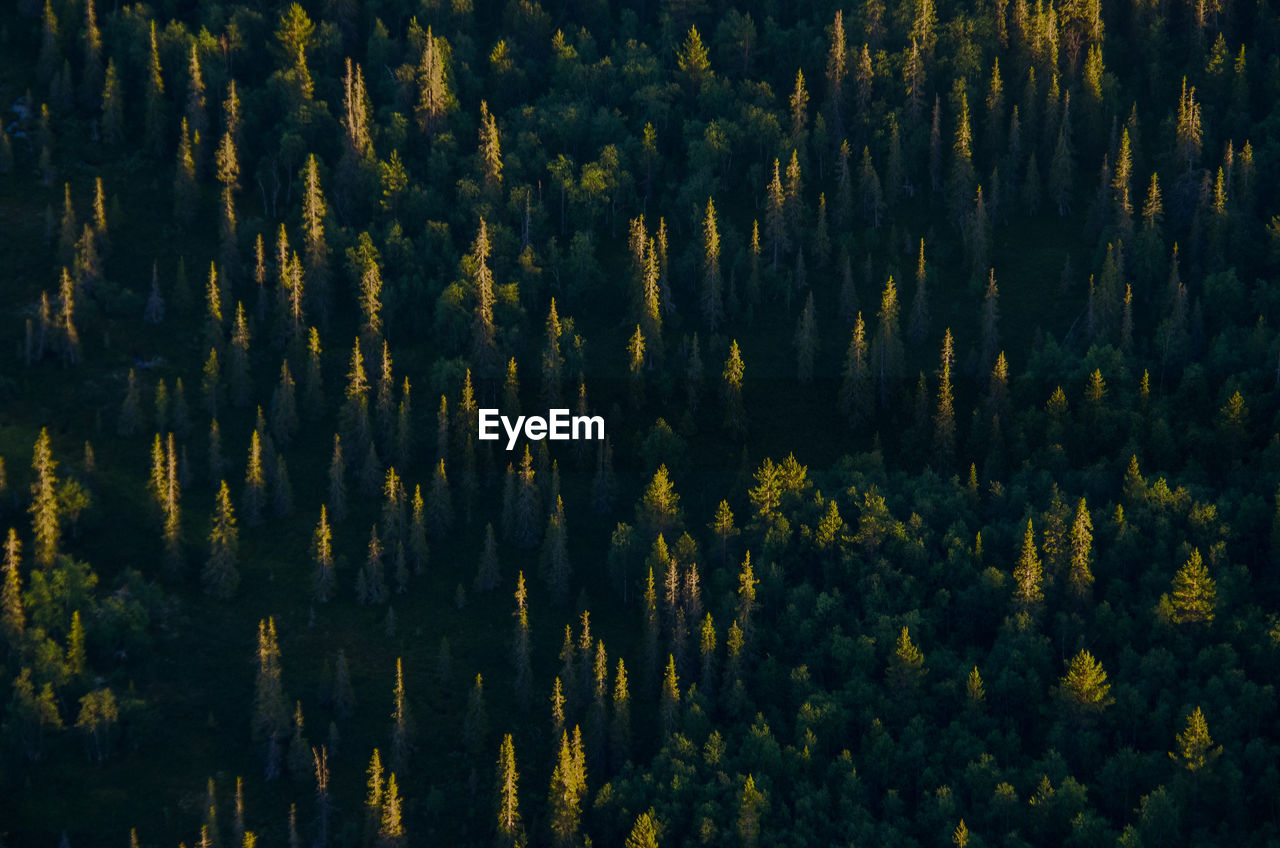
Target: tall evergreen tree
220, 577
510, 830
45, 518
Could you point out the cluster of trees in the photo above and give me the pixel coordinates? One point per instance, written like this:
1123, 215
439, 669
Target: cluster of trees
1011, 261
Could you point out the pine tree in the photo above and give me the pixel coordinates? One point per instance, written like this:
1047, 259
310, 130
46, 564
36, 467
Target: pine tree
735, 416
887, 351
314, 210
184, 180
568, 786
944, 420
418, 532
1080, 576
271, 704
44, 502
337, 481
1028, 575
12, 616
746, 592
228, 172
1195, 746
1084, 689
254, 481
775, 217
1189, 131
490, 151
355, 113
1195, 593
711, 299
906, 666
855, 390
322, 554
484, 345
112, 103
220, 576
401, 721
669, 709
172, 514
523, 672
391, 828
435, 99
510, 827
155, 101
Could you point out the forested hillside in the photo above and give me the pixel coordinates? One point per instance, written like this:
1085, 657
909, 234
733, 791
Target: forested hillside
939, 497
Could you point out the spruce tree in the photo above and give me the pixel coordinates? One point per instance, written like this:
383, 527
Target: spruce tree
510, 827
322, 554
1195, 593
12, 616
944, 420
1080, 576
1028, 575
45, 519
220, 577
254, 481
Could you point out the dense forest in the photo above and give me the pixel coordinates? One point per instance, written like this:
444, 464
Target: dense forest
939, 496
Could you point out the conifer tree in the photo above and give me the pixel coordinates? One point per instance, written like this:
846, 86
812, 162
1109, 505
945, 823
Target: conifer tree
944, 420
1028, 575
401, 721
855, 390
510, 827
990, 319
172, 514
271, 705
906, 666
1189, 131
475, 725
1195, 746
435, 99
220, 577
1080, 576
391, 832
254, 481
886, 351
316, 250
439, 503
337, 480
735, 415
184, 179
228, 172
775, 217
1195, 593
355, 114
523, 672
484, 344
155, 102
45, 520
418, 532
490, 150
112, 103
12, 616
669, 709
322, 554
711, 300
1084, 689
568, 786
